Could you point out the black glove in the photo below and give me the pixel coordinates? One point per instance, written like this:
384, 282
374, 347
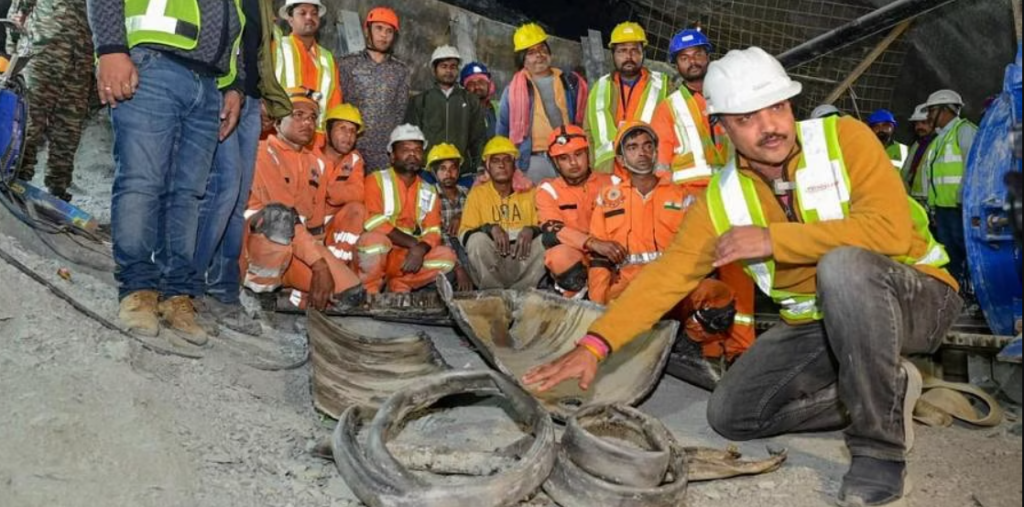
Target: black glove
716, 320
276, 222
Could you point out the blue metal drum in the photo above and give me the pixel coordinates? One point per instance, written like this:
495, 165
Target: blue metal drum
994, 257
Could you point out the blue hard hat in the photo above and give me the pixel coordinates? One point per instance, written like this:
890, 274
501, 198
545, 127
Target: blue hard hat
688, 38
473, 69
882, 116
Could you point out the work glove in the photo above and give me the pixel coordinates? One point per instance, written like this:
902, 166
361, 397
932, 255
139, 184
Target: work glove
276, 222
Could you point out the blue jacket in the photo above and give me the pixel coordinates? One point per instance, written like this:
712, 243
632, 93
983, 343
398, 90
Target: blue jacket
571, 83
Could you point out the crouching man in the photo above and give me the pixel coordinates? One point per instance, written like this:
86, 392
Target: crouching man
499, 226
825, 227
287, 244
402, 243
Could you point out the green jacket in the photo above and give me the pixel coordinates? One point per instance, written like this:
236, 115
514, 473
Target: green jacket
456, 119
274, 96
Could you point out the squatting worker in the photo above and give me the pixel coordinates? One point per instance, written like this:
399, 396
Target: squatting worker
846, 254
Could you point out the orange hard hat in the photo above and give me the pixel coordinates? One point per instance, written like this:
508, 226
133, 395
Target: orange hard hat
382, 15
631, 126
567, 139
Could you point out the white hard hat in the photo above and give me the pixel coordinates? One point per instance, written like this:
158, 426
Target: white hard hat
747, 80
944, 98
445, 53
920, 113
406, 132
823, 111
283, 12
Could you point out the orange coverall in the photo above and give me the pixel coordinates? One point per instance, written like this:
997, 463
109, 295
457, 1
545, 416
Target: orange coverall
664, 124
412, 210
646, 227
297, 178
565, 213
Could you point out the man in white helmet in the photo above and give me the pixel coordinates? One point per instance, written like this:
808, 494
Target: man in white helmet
402, 244
943, 168
447, 113
924, 132
845, 253
824, 111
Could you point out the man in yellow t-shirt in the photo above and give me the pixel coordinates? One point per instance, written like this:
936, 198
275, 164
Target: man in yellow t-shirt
500, 226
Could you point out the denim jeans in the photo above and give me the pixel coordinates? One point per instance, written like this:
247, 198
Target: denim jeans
164, 139
843, 371
221, 220
949, 230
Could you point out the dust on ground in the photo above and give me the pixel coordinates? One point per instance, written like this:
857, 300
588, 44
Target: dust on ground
89, 418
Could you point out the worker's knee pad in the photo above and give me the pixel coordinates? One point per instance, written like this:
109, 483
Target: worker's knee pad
276, 222
574, 279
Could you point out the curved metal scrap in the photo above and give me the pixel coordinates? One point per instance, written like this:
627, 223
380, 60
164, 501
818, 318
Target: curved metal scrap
355, 369
571, 486
619, 444
423, 308
379, 480
517, 330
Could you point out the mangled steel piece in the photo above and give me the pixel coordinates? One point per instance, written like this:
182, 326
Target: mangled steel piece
619, 444
350, 368
422, 308
379, 480
706, 464
517, 330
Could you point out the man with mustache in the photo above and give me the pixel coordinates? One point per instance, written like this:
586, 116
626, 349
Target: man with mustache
690, 145
301, 61
823, 225
631, 93
911, 172
883, 124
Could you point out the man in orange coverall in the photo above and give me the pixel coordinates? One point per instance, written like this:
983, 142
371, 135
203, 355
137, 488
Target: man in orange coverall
640, 217
402, 242
565, 205
288, 242
344, 189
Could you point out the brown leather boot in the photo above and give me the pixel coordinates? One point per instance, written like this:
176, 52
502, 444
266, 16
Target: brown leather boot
139, 313
180, 316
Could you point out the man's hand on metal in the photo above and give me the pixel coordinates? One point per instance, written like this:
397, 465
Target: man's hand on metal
463, 283
414, 260
608, 249
116, 78
523, 243
229, 112
501, 241
578, 363
741, 244
321, 288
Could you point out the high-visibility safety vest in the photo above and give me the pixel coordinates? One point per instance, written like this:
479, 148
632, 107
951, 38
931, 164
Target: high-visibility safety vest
944, 164
426, 199
823, 194
898, 153
602, 112
288, 63
694, 136
916, 185
174, 23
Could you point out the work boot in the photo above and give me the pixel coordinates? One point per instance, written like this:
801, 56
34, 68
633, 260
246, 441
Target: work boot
232, 317
138, 313
205, 317
180, 316
912, 393
60, 193
873, 482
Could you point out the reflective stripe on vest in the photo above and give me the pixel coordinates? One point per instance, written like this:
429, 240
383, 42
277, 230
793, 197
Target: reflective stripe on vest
945, 167
898, 154
640, 259
686, 130
425, 202
173, 23
236, 50
602, 122
823, 194
289, 71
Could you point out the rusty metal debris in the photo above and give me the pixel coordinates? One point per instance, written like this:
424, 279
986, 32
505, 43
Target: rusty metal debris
350, 368
619, 444
517, 330
379, 480
423, 308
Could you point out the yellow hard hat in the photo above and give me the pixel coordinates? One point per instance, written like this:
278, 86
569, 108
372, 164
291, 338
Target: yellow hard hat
528, 35
442, 152
4, 62
628, 32
500, 145
346, 112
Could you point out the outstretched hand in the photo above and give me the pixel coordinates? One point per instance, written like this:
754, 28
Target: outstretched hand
578, 363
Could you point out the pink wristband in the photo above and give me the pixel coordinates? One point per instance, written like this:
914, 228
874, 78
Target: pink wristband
595, 344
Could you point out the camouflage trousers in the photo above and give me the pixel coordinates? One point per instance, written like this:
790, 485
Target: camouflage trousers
60, 83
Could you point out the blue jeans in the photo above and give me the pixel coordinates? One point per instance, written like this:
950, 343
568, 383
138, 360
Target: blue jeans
164, 139
221, 221
949, 230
